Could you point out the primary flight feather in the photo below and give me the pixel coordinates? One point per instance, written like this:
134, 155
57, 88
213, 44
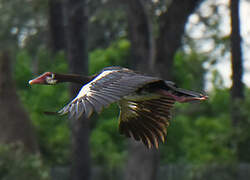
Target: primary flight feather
145, 101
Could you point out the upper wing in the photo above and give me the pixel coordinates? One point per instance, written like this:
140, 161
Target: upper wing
108, 87
146, 120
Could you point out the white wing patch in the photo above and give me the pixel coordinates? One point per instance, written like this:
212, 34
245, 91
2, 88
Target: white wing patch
85, 91
106, 88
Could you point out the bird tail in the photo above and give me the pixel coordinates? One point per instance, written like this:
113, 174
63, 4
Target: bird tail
183, 95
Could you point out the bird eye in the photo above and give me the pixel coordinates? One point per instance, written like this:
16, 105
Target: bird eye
50, 79
52, 75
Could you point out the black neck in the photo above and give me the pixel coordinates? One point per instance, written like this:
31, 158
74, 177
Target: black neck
73, 78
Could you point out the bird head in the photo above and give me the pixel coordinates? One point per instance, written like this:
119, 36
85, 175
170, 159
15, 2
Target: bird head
47, 78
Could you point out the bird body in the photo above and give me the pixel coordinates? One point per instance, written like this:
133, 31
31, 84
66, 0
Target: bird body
145, 101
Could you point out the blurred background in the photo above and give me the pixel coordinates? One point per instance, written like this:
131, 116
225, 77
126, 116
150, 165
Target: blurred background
203, 45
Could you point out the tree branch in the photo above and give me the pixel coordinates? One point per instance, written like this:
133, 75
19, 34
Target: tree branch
171, 28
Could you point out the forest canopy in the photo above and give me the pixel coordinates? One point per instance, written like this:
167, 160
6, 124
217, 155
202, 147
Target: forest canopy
187, 46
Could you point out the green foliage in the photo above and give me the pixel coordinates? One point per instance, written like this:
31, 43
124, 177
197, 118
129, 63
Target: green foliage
201, 133
15, 163
188, 70
22, 70
212, 135
116, 54
106, 25
20, 21
53, 132
241, 135
105, 134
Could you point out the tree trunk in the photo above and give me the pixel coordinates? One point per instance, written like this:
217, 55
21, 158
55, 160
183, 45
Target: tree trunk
171, 28
143, 163
15, 126
76, 33
141, 36
237, 90
56, 25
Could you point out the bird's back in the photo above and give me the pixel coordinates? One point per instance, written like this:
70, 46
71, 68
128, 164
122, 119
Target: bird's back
110, 85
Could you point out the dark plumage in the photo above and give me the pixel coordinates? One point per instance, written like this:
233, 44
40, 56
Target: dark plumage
145, 101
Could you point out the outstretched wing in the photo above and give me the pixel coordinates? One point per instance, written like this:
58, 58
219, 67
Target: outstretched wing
108, 87
146, 119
